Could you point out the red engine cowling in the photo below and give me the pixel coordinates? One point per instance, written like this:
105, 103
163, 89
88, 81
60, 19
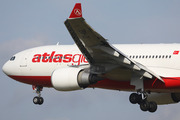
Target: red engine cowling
164, 98
72, 78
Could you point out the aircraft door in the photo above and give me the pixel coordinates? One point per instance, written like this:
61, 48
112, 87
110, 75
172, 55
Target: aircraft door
24, 59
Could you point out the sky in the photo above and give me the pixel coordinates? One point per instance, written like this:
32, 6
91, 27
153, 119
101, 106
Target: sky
30, 23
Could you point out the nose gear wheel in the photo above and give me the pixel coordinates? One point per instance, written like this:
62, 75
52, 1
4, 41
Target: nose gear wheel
38, 99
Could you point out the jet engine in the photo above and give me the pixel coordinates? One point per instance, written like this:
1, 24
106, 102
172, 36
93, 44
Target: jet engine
164, 98
72, 78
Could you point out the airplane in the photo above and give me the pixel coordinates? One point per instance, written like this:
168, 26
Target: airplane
150, 71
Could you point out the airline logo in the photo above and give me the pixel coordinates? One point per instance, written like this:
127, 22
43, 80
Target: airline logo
176, 52
59, 58
77, 12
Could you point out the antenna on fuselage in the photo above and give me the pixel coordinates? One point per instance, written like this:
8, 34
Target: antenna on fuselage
57, 43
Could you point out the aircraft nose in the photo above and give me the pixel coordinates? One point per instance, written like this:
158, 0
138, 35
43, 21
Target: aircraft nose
9, 68
6, 68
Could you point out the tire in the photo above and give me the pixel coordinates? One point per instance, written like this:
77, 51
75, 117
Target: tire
134, 98
144, 105
36, 100
41, 100
153, 106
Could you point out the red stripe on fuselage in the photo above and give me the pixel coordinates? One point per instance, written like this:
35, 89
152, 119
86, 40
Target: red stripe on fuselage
169, 84
44, 81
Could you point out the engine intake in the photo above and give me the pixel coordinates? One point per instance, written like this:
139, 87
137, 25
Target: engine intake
72, 78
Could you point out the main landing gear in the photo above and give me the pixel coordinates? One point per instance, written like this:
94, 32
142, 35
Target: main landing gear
38, 99
141, 99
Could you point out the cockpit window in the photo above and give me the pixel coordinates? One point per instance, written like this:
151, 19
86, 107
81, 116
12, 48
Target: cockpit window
12, 58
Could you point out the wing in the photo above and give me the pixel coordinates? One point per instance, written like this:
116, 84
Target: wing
102, 56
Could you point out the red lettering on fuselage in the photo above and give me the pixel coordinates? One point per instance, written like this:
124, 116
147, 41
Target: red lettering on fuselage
58, 58
67, 58
45, 56
35, 59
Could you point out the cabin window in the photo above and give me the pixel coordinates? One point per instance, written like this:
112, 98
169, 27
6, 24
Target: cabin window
38, 57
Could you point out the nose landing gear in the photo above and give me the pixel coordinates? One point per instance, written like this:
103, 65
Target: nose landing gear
38, 99
141, 99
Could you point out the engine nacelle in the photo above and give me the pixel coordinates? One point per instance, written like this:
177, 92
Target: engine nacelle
164, 98
72, 78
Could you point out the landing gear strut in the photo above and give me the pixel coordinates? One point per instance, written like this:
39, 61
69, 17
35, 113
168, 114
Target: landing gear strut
141, 99
38, 99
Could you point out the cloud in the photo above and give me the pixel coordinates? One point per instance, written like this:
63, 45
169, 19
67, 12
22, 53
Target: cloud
16, 45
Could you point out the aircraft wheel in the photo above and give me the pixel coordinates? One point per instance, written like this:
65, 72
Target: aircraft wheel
36, 100
144, 105
153, 106
134, 98
41, 100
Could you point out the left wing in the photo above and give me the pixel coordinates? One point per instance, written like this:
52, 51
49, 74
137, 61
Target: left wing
102, 56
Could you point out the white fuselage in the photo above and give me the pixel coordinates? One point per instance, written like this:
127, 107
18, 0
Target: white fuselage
31, 67
157, 57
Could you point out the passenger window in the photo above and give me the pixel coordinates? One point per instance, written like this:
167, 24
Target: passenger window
156, 56
139, 56
153, 56
170, 56
146, 56
159, 56
136, 56
143, 56
149, 56
163, 56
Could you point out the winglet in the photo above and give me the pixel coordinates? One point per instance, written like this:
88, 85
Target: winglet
76, 12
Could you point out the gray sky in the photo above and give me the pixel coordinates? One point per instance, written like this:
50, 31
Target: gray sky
25, 24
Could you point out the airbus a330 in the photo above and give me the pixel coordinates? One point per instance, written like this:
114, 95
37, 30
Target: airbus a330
150, 71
